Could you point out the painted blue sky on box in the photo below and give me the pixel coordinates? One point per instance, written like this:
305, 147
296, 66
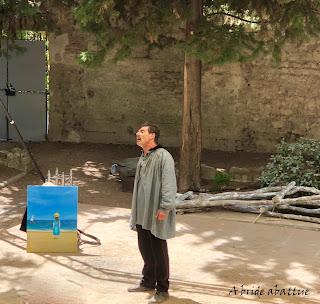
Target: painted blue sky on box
45, 203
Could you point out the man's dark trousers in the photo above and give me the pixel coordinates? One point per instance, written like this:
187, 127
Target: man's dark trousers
154, 252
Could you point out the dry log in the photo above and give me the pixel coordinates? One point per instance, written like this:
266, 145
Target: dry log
184, 196
263, 193
275, 214
307, 203
261, 190
301, 200
243, 208
304, 189
287, 208
242, 196
313, 201
198, 203
262, 202
268, 189
277, 199
299, 209
293, 217
194, 210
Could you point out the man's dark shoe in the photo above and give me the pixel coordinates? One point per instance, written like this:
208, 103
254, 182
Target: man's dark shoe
159, 297
140, 288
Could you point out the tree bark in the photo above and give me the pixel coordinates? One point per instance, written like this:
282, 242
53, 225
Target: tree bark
198, 203
277, 199
191, 145
293, 217
242, 196
306, 211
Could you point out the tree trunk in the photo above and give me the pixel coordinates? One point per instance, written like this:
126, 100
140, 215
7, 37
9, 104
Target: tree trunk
191, 146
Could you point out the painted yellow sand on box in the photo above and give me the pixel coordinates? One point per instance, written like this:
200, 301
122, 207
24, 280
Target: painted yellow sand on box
44, 241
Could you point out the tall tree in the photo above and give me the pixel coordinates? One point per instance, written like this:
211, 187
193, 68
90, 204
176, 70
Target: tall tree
191, 142
208, 31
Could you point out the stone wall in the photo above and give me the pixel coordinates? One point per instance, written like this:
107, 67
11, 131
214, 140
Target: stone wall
246, 107
252, 106
16, 158
106, 104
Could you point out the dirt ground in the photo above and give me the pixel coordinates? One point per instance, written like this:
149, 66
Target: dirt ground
212, 253
91, 163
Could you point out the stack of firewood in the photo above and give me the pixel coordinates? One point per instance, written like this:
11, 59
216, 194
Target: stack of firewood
288, 202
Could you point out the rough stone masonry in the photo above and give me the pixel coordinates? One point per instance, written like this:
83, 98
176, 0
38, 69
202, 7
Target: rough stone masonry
246, 107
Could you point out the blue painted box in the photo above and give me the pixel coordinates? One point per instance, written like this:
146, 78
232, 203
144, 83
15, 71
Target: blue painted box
52, 218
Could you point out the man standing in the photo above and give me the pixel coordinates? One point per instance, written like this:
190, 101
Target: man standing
153, 211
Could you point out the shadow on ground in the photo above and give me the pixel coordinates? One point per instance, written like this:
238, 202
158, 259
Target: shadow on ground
210, 256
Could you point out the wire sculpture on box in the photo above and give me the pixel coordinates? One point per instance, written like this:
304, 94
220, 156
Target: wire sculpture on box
61, 179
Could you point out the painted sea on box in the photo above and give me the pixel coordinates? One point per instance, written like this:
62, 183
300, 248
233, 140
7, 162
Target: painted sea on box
52, 218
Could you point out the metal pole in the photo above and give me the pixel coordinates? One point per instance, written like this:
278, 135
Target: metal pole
71, 181
57, 177
12, 122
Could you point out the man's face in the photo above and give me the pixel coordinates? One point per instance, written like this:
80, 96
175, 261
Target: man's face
143, 137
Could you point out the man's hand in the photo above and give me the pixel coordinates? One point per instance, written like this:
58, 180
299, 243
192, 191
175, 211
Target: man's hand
161, 215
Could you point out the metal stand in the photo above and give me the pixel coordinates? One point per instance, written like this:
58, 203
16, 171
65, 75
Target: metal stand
12, 122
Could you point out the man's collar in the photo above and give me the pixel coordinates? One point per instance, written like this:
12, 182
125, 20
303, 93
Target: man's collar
153, 149
156, 147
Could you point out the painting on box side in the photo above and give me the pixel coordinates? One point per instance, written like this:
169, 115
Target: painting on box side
52, 218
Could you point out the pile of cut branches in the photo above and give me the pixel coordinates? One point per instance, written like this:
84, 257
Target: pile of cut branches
288, 202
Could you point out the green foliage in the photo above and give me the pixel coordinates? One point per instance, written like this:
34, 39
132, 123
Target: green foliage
228, 31
14, 13
220, 179
91, 58
299, 162
126, 25
18, 16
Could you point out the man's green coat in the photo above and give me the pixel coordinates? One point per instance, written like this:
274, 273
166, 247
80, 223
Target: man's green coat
155, 189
